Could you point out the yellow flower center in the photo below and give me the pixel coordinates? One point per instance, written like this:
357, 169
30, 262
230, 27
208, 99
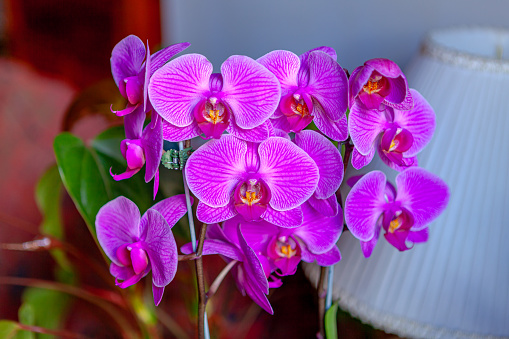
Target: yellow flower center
394, 225
374, 84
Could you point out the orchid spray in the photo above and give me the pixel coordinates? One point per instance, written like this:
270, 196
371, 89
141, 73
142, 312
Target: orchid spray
273, 138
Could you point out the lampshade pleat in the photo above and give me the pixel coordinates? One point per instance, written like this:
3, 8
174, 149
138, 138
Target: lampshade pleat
457, 284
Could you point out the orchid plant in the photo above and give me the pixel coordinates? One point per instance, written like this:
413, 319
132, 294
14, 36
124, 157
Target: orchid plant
273, 139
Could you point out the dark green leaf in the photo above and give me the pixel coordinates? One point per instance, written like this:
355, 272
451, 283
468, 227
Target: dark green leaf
331, 326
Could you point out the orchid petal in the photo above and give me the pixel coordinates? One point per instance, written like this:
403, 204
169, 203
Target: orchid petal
210, 215
364, 205
328, 207
281, 123
327, 50
424, 194
126, 175
126, 58
255, 134
157, 292
161, 248
419, 236
152, 144
327, 158
329, 258
328, 84
364, 126
177, 87
283, 166
359, 160
285, 66
133, 123
117, 224
162, 56
419, 121
252, 265
251, 91
172, 208
146, 79
336, 130
367, 247
257, 234
318, 232
286, 219
176, 134
214, 169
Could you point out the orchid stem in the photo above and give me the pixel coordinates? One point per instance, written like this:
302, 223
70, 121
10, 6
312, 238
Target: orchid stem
219, 279
321, 301
203, 328
330, 281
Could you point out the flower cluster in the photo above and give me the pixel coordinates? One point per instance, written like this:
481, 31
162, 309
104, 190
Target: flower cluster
268, 187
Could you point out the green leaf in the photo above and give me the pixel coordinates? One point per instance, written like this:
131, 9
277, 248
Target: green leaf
8, 329
43, 308
331, 326
85, 173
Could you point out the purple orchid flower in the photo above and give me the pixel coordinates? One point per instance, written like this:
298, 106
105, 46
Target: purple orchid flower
281, 249
129, 72
314, 87
248, 272
143, 149
192, 100
266, 181
398, 135
404, 214
330, 167
380, 81
137, 245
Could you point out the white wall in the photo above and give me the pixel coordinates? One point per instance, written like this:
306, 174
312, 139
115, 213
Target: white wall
357, 29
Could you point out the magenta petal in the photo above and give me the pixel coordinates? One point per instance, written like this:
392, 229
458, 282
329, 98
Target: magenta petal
418, 236
327, 158
424, 194
214, 169
117, 223
364, 126
256, 134
126, 58
213, 246
161, 248
172, 208
328, 207
287, 219
336, 130
251, 91
210, 215
318, 232
398, 239
133, 123
359, 160
176, 134
157, 292
130, 108
121, 272
419, 121
405, 105
146, 78
290, 173
257, 234
328, 84
252, 266
162, 56
367, 247
285, 66
327, 50
364, 205
152, 143
177, 87
329, 258
126, 175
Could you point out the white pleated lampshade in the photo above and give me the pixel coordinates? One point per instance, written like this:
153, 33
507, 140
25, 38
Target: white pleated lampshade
457, 284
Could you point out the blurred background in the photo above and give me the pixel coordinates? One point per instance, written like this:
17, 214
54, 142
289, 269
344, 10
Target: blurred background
54, 51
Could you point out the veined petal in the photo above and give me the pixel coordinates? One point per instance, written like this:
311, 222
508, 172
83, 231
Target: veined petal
215, 168
252, 266
367, 247
126, 58
251, 91
286, 219
328, 207
117, 223
161, 248
364, 126
327, 50
420, 121
157, 292
329, 258
162, 56
210, 215
133, 123
172, 208
424, 194
257, 234
152, 144
359, 160
256, 134
327, 158
285, 66
177, 87
176, 134
336, 130
318, 232
364, 205
328, 84
290, 173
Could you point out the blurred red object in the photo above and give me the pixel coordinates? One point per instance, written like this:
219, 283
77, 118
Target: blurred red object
73, 39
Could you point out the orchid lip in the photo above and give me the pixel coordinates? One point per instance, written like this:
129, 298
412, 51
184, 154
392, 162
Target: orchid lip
212, 116
251, 198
